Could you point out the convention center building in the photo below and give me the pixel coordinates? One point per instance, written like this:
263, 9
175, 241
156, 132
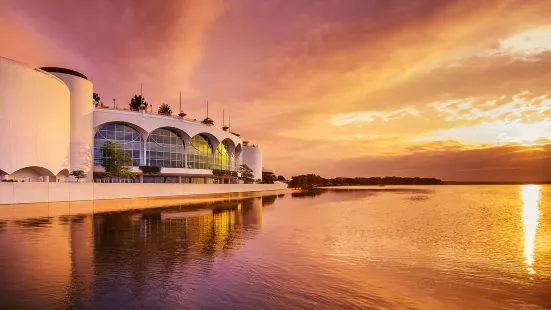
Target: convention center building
50, 126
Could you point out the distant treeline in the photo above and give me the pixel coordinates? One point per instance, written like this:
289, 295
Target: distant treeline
495, 182
315, 180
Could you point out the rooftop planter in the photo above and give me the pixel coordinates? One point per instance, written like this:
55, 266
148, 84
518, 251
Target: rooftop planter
182, 114
236, 134
150, 169
225, 128
208, 121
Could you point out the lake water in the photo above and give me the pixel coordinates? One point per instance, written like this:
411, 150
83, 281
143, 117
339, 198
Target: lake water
441, 247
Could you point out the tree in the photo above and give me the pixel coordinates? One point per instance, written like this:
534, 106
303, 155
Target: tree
96, 99
116, 161
268, 178
298, 181
281, 178
138, 102
246, 174
165, 109
78, 174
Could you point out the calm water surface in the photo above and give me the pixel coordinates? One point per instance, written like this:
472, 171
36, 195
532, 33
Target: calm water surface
446, 247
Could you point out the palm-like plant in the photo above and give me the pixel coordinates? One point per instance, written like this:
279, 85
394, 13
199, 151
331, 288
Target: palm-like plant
164, 109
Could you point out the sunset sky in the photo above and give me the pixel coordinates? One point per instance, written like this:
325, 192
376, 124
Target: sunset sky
457, 89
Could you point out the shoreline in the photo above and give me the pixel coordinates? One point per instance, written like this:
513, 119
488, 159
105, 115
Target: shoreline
26, 193
10, 212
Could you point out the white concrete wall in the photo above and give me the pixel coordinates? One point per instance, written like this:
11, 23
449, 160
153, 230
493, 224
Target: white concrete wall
34, 119
252, 157
82, 123
16, 193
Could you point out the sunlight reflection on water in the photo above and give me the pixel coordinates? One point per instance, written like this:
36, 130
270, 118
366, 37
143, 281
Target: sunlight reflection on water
530, 196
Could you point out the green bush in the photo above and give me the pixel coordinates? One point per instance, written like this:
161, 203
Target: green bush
150, 169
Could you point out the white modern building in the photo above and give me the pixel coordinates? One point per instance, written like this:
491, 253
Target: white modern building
49, 127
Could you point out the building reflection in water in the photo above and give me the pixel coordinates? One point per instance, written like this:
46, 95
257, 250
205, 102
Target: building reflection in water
110, 259
530, 196
138, 255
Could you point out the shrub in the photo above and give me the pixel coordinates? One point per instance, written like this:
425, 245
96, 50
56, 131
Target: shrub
150, 169
78, 174
220, 172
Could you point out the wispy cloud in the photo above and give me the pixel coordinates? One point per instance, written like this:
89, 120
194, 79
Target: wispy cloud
521, 107
370, 116
526, 45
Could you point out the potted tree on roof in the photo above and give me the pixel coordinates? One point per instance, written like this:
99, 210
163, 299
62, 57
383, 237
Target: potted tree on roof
138, 103
96, 99
165, 109
208, 121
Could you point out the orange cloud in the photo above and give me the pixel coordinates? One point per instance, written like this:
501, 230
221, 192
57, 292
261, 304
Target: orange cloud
354, 88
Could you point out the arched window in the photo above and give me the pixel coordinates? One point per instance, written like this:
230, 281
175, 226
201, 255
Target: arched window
200, 153
223, 159
127, 137
165, 148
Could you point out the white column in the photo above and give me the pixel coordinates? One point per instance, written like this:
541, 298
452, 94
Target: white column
205, 180
45, 178
145, 153
185, 158
179, 179
140, 178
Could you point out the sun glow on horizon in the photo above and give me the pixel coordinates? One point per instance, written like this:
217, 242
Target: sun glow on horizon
495, 133
527, 43
530, 196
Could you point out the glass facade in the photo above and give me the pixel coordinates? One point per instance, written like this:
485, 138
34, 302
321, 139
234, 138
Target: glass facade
165, 148
127, 137
231, 157
223, 159
201, 181
200, 153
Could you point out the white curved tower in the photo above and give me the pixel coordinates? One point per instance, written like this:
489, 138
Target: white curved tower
82, 118
34, 122
252, 157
